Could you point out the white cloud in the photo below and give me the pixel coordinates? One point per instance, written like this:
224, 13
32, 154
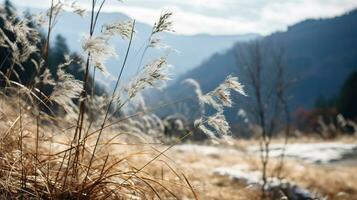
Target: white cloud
225, 16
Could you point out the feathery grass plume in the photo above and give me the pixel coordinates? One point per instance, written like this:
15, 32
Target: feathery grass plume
221, 96
46, 78
39, 19
67, 61
136, 103
78, 9
20, 47
122, 29
66, 89
99, 49
152, 73
218, 98
204, 99
31, 93
224, 95
233, 83
196, 86
155, 42
147, 123
219, 123
198, 93
25, 42
199, 123
154, 126
214, 126
164, 23
97, 105
21, 30
57, 8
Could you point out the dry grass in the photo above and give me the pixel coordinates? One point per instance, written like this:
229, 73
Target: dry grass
32, 171
164, 178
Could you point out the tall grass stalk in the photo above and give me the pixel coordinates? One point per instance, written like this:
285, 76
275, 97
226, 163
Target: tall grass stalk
110, 103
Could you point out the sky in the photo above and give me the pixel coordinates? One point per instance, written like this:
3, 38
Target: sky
221, 17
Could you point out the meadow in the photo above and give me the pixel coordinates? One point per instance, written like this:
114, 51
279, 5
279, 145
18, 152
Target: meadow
63, 137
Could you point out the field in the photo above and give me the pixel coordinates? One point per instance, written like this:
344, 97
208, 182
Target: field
204, 171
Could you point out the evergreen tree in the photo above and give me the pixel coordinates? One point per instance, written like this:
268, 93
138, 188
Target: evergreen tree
57, 54
9, 9
348, 97
25, 72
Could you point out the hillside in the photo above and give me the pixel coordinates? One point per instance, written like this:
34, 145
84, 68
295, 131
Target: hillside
320, 55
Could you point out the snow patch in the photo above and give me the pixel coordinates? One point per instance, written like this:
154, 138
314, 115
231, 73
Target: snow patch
242, 174
206, 150
321, 153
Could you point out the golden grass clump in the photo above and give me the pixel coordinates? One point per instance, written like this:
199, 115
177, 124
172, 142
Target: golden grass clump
36, 166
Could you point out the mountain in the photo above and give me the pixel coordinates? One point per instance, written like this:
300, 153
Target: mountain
190, 50
320, 54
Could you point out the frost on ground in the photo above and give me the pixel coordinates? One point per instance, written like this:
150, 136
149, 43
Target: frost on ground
242, 174
319, 153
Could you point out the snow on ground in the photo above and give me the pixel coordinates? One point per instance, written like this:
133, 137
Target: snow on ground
318, 153
206, 150
315, 153
242, 174
321, 153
